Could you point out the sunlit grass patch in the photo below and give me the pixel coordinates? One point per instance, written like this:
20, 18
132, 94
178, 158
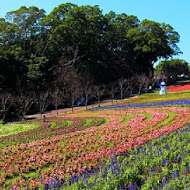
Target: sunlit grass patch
9, 129
154, 97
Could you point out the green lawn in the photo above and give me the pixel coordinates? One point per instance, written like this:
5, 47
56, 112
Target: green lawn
155, 97
10, 129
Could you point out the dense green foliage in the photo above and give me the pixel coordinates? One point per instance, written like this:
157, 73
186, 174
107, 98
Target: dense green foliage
172, 68
32, 43
75, 46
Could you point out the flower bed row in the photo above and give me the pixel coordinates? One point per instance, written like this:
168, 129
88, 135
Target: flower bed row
162, 163
54, 126
71, 154
180, 102
179, 88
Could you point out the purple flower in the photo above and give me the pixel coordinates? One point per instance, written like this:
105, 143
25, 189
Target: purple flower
163, 162
163, 182
161, 103
187, 168
151, 169
167, 147
175, 174
46, 187
133, 186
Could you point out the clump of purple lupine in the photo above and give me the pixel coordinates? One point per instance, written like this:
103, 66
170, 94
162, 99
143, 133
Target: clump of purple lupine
180, 102
133, 186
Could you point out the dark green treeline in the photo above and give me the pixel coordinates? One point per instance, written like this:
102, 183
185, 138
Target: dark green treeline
72, 43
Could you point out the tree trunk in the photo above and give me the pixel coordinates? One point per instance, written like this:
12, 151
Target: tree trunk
56, 110
98, 101
131, 93
4, 116
72, 108
139, 92
86, 104
23, 116
121, 94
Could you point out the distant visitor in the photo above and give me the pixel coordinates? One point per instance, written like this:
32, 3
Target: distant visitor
163, 88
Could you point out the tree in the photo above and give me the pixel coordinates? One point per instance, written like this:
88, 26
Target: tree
6, 102
142, 81
149, 42
112, 89
73, 85
122, 82
87, 83
172, 68
57, 98
42, 100
24, 101
26, 24
98, 92
148, 81
74, 93
37, 49
131, 84
22, 43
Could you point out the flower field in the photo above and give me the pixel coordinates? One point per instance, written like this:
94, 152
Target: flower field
180, 102
155, 98
179, 88
69, 148
162, 163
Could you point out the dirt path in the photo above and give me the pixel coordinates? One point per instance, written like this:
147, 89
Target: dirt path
76, 109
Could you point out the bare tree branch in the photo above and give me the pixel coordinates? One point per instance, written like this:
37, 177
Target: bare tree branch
6, 102
99, 92
25, 101
62, 64
43, 101
112, 89
122, 83
57, 98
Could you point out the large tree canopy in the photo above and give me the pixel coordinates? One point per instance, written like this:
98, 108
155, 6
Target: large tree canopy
149, 42
172, 68
35, 48
76, 51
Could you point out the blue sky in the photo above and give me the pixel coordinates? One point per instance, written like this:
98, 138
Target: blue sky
173, 12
